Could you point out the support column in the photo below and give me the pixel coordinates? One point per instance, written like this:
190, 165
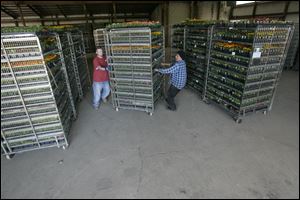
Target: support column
21, 14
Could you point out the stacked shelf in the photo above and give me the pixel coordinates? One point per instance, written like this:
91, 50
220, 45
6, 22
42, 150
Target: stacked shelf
88, 39
197, 47
293, 50
178, 40
99, 38
78, 54
133, 53
245, 65
35, 105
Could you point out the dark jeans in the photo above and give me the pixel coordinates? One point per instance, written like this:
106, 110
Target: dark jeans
172, 92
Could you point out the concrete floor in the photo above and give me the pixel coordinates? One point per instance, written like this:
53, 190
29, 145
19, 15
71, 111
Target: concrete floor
196, 152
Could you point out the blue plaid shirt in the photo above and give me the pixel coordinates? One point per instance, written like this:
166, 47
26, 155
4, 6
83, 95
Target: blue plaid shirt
178, 74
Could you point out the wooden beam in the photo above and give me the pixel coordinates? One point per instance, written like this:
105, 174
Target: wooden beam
61, 11
195, 9
78, 2
5, 10
231, 12
166, 22
191, 10
35, 11
254, 9
287, 3
114, 11
21, 14
85, 12
57, 21
218, 9
145, 16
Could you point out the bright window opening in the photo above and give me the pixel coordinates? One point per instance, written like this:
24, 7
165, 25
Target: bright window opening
243, 2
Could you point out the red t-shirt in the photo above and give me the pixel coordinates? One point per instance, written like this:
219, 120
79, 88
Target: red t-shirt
100, 75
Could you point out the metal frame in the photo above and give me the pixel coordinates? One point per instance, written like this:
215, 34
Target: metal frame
252, 78
134, 84
175, 28
198, 66
76, 70
31, 119
293, 49
99, 38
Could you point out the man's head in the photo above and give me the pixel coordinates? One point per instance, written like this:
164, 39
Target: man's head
99, 52
180, 55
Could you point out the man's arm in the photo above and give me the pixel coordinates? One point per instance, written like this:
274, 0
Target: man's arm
97, 66
168, 70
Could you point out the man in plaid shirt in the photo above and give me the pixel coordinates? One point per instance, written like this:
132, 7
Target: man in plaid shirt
178, 78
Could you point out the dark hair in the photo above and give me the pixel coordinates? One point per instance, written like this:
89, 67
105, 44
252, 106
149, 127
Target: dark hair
181, 54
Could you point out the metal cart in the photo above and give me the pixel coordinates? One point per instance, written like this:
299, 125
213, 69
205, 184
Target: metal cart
293, 50
178, 38
133, 53
245, 65
197, 48
35, 105
99, 38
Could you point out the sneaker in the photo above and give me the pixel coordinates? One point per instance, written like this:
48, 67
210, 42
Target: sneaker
173, 109
96, 108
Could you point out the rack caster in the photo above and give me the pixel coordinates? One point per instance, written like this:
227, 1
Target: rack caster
265, 112
206, 101
238, 121
150, 113
8, 157
117, 109
65, 147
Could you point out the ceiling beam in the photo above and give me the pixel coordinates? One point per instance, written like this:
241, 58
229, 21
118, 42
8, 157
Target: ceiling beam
85, 12
254, 9
61, 11
287, 4
145, 16
77, 2
5, 10
35, 11
114, 11
21, 14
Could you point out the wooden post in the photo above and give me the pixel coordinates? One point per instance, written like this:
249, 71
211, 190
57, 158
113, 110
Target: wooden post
21, 14
57, 21
287, 3
254, 10
114, 12
218, 10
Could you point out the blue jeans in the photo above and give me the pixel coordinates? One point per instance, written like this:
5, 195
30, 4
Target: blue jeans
101, 91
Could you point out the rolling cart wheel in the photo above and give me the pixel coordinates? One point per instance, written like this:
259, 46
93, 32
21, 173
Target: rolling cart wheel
206, 101
65, 147
150, 113
117, 109
238, 121
265, 112
8, 157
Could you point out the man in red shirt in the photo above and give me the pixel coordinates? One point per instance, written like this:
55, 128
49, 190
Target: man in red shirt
100, 79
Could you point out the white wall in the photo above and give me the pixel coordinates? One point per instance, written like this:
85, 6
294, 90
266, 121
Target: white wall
270, 8
242, 11
207, 10
293, 18
274, 7
294, 6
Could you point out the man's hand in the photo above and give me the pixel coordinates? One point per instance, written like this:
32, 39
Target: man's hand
165, 64
100, 68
